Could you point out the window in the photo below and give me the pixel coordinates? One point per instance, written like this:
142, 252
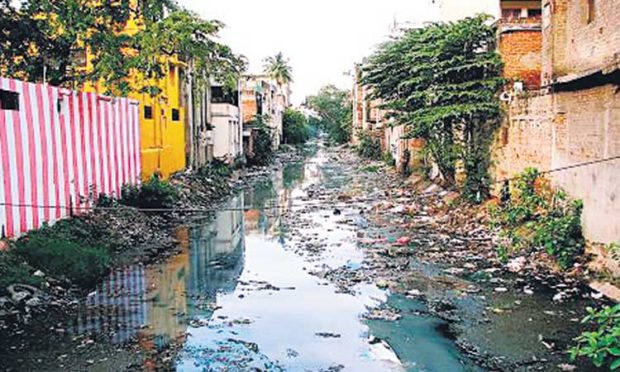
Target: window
511, 13
534, 13
589, 11
148, 112
9, 100
176, 116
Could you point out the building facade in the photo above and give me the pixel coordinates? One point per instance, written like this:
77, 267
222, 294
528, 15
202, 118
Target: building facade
263, 96
575, 117
227, 128
162, 116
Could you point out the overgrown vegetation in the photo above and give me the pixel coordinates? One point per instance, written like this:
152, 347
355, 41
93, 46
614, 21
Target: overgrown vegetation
263, 142
333, 106
14, 269
49, 38
295, 127
152, 194
369, 146
602, 345
388, 159
442, 82
80, 263
534, 216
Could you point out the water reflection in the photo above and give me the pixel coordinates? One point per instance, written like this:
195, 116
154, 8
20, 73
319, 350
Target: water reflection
238, 299
155, 304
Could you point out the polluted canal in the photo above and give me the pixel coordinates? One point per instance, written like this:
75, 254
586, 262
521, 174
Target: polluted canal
273, 281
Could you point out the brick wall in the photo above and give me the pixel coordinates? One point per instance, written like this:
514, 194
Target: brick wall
565, 128
577, 43
250, 107
520, 47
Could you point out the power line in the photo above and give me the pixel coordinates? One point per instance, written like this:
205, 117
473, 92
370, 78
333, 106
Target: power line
315, 203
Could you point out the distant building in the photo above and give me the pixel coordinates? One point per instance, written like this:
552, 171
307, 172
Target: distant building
226, 124
520, 42
263, 96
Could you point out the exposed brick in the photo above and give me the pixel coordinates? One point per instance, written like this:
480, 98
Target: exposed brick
520, 49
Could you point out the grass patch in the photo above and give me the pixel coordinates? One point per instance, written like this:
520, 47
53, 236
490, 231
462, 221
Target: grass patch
14, 270
80, 263
371, 169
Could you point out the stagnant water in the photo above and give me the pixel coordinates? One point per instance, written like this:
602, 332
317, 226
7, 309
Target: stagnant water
239, 297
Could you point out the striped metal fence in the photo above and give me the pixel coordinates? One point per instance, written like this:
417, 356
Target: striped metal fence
60, 150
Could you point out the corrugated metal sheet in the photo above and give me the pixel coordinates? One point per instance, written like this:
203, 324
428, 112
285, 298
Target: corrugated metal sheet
60, 148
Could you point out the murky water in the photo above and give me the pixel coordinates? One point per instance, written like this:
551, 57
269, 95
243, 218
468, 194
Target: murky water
240, 296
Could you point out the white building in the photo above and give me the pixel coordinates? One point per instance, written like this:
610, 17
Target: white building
227, 127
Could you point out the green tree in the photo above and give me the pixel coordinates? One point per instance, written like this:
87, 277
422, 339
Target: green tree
442, 81
45, 37
334, 109
279, 69
295, 127
263, 142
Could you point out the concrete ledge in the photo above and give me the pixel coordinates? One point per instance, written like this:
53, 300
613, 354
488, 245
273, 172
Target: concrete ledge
609, 290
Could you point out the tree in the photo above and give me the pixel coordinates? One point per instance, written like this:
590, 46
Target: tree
295, 127
263, 150
45, 37
334, 108
442, 82
278, 68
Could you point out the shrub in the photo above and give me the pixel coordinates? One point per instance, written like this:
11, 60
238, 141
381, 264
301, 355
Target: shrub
602, 345
152, 194
389, 159
83, 265
216, 168
369, 146
263, 142
14, 270
538, 217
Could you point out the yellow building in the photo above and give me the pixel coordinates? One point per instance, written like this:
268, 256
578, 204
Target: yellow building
162, 117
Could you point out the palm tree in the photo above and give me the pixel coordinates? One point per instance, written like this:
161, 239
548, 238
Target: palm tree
277, 67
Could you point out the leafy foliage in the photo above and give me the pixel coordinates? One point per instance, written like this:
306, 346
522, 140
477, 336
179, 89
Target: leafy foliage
263, 142
442, 81
278, 68
334, 109
48, 35
153, 194
295, 127
538, 217
13, 270
80, 263
602, 345
388, 159
369, 146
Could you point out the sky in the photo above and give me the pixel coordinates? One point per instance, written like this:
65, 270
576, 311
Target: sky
322, 38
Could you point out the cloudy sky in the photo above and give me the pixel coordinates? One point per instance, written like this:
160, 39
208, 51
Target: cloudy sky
322, 38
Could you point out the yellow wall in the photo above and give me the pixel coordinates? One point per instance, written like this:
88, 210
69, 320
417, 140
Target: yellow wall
163, 140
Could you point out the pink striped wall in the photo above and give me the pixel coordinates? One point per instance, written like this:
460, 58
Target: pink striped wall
62, 147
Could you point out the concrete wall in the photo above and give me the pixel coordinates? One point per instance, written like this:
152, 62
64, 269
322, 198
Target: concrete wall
580, 39
227, 132
565, 128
